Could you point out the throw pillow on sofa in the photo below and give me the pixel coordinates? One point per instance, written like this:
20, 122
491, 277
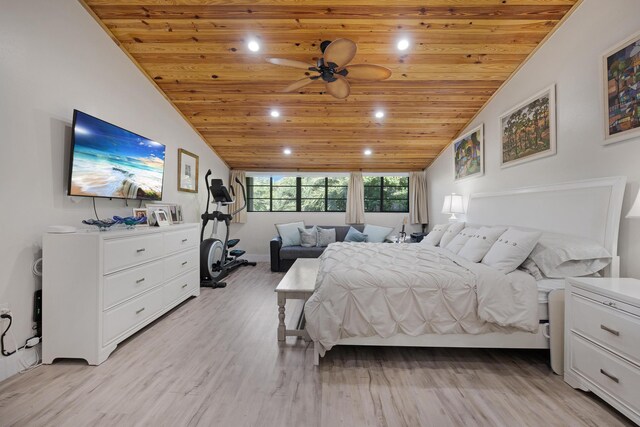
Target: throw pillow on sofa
326, 236
289, 233
308, 237
354, 235
376, 233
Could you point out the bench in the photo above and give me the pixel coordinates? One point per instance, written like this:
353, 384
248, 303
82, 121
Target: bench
298, 283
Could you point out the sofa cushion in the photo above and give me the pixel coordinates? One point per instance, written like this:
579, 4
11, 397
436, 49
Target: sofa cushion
355, 236
325, 236
294, 252
289, 233
342, 230
376, 233
308, 237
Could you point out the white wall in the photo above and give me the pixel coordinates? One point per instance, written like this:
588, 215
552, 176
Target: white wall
53, 58
255, 234
571, 59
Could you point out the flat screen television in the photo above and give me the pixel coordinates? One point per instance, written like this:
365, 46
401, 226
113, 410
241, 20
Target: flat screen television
108, 161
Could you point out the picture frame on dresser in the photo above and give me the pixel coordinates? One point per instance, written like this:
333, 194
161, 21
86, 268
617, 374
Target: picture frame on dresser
621, 90
163, 218
139, 213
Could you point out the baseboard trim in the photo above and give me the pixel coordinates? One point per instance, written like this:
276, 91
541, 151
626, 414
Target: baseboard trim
10, 365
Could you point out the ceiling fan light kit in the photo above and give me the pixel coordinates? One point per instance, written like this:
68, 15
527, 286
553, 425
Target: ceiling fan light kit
333, 69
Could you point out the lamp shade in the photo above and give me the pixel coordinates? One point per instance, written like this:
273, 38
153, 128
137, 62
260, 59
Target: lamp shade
453, 204
634, 212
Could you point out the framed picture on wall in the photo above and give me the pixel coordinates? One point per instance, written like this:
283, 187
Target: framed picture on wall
621, 90
468, 154
528, 130
188, 171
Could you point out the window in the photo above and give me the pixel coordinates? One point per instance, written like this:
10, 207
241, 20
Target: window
386, 194
296, 194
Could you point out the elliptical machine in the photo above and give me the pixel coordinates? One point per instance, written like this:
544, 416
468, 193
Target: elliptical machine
216, 260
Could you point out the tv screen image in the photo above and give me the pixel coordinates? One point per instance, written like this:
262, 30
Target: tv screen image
108, 161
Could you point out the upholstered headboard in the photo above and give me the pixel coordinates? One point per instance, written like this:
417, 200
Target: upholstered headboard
589, 209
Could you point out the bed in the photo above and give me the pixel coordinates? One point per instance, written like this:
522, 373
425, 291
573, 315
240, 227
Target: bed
527, 314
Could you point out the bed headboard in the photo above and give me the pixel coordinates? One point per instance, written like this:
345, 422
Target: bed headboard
589, 209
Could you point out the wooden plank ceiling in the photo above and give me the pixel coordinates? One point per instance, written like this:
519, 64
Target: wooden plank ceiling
460, 52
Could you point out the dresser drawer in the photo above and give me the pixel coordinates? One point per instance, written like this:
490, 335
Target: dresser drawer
122, 253
181, 239
608, 326
610, 373
180, 286
131, 282
132, 313
180, 263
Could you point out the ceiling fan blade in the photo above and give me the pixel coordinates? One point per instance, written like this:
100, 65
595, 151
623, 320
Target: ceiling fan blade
290, 63
367, 72
339, 88
299, 84
340, 52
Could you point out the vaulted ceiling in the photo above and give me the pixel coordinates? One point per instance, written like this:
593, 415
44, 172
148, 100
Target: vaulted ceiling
460, 52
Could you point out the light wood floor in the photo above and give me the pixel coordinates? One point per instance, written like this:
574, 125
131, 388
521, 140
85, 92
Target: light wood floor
215, 361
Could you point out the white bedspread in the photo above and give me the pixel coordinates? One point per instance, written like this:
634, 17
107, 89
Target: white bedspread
383, 289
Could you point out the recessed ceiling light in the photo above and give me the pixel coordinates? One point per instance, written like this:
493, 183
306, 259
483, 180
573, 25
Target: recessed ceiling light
379, 114
275, 113
253, 46
287, 151
367, 152
403, 44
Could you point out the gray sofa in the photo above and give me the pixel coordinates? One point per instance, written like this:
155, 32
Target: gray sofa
283, 258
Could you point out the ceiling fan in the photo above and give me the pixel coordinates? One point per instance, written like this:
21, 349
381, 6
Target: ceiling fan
333, 68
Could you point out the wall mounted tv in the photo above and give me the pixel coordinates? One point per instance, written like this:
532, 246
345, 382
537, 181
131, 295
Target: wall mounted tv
108, 161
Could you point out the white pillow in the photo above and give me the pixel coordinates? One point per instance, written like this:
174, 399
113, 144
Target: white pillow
451, 232
511, 249
479, 244
528, 266
461, 238
376, 233
289, 233
434, 236
560, 255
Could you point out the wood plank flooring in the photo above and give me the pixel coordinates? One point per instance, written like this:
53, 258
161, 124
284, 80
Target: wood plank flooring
215, 361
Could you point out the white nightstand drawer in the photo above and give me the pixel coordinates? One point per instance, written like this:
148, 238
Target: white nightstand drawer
180, 263
130, 314
180, 286
608, 326
181, 239
612, 374
133, 281
122, 253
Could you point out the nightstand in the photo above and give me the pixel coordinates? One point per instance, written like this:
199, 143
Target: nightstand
602, 340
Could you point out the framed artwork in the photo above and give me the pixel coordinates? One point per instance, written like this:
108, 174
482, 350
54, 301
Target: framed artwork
468, 154
528, 130
621, 90
139, 213
188, 171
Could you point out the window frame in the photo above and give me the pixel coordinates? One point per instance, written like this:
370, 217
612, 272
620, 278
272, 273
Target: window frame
382, 198
298, 198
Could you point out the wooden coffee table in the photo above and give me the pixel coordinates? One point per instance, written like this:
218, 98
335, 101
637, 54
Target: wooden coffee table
298, 283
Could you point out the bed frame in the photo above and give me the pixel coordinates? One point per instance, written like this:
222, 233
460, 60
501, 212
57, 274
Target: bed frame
589, 209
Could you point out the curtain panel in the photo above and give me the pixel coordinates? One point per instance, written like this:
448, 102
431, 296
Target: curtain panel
355, 199
418, 198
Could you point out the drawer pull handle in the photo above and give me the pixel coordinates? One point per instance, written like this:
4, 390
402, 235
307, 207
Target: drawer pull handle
184, 240
608, 375
185, 285
140, 311
611, 331
609, 303
140, 250
140, 280
184, 263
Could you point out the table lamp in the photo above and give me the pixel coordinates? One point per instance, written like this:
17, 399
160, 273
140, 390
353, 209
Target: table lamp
453, 205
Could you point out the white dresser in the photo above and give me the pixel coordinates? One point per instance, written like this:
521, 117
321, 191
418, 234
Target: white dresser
99, 288
602, 340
